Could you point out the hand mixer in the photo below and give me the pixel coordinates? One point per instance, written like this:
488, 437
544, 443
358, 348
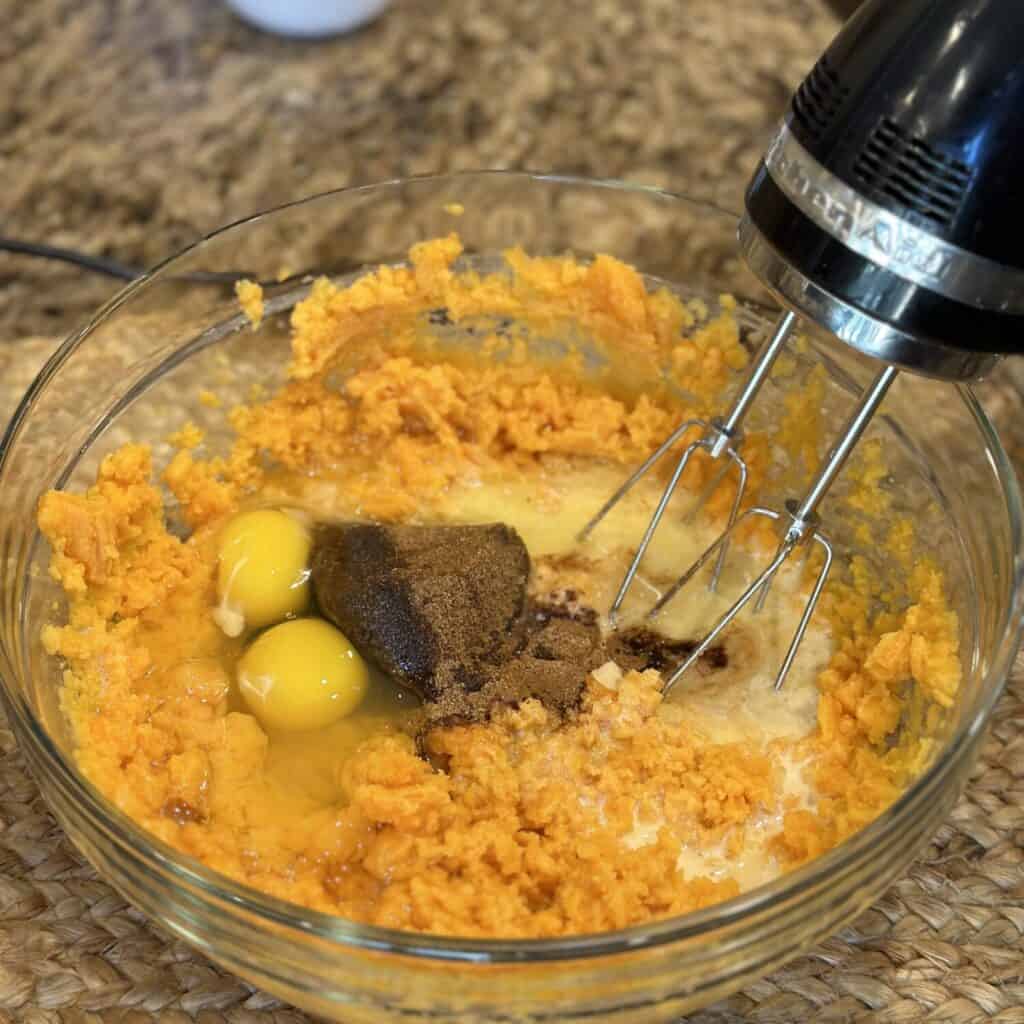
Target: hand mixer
888, 209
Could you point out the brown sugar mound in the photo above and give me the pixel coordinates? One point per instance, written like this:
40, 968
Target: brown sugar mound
443, 610
431, 605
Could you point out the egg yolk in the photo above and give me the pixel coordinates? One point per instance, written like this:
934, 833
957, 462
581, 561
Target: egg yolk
302, 674
263, 570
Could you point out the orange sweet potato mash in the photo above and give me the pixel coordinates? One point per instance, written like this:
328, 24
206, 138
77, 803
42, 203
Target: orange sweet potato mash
525, 825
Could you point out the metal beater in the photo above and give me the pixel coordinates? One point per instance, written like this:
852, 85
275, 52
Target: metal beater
888, 211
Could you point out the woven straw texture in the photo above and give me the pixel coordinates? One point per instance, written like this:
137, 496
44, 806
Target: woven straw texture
129, 127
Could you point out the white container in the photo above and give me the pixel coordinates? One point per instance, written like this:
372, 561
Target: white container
308, 19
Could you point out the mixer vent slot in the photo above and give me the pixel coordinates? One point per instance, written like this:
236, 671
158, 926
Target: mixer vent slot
819, 98
913, 173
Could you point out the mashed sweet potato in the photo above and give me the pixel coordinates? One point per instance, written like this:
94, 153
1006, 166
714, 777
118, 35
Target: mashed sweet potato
526, 825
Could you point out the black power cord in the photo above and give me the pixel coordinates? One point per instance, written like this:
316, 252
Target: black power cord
127, 272
108, 267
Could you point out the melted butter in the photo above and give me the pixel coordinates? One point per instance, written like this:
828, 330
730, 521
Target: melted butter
550, 510
740, 704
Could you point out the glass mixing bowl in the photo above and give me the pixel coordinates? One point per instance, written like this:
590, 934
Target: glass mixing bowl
133, 373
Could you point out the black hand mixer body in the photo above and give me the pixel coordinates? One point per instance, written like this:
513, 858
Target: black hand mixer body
890, 207
889, 210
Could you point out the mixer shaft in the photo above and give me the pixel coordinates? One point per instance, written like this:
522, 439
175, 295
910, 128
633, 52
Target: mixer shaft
719, 438
803, 527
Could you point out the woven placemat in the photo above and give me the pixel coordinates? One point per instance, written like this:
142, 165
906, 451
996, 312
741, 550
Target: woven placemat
945, 943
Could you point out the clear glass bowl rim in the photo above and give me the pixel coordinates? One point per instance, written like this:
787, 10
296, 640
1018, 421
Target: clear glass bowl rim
155, 854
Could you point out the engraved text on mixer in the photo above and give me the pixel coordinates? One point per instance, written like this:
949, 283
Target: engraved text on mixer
886, 239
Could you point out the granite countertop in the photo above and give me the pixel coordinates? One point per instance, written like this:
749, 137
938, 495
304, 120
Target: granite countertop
131, 127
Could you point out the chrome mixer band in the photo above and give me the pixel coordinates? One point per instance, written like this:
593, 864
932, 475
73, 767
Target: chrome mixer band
887, 240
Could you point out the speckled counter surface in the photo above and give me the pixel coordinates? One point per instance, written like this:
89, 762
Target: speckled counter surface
133, 126
130, 128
